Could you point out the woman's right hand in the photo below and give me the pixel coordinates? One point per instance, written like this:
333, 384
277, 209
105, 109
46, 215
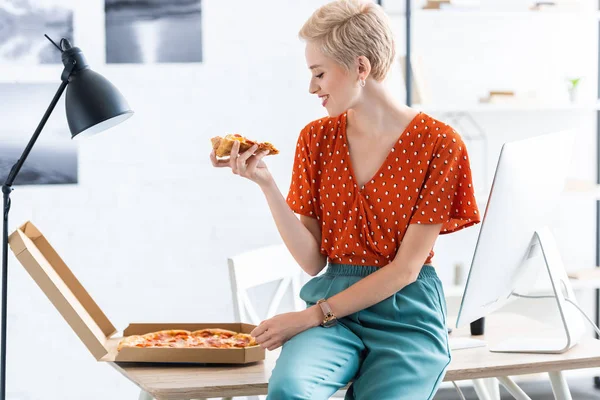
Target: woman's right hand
248, 164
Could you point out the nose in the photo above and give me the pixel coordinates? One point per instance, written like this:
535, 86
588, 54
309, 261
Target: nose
312, 87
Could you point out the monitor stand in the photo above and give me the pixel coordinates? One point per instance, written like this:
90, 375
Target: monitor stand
571, 328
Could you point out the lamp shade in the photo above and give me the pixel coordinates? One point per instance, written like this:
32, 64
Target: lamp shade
93, 104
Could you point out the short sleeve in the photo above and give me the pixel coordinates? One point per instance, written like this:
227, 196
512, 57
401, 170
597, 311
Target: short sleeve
447, 195
301, 197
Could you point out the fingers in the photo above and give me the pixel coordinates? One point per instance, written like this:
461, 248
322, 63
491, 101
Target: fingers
243, 164
237, 161
271, 344
235, 149
265, 338
267, 341
243, 158
262, 338
259, 330
255, 160
216, 162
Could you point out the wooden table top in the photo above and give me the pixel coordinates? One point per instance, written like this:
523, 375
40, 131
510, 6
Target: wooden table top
184, 382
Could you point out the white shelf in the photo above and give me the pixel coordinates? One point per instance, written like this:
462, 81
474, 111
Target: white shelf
538, 377
585, 188
504, 107
576, 284
476, 13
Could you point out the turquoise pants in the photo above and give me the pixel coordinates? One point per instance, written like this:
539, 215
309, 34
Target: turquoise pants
394, 350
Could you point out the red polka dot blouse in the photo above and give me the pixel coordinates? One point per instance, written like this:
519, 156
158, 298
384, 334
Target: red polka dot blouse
425, 179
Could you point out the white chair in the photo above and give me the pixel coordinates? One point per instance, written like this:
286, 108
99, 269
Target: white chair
262, 266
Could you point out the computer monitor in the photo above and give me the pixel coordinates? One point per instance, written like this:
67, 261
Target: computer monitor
514, 240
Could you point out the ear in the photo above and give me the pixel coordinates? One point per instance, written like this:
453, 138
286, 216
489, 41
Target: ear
363, 67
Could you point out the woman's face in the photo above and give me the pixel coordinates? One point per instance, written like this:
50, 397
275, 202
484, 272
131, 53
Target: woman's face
337, 89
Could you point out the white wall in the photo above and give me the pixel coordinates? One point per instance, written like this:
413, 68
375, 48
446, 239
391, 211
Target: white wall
149, 226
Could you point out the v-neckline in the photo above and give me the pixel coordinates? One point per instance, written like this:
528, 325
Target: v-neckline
385, 161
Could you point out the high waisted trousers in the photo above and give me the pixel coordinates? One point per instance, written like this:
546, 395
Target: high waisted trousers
396, 349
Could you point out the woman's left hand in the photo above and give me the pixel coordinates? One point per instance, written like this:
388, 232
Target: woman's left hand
274, 332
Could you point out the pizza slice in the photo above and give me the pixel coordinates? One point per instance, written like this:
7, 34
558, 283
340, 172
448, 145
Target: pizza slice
223, 145
224, 338
243, 340
132, 341
169, 338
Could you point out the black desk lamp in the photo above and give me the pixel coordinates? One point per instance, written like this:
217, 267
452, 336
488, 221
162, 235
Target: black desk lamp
93, 104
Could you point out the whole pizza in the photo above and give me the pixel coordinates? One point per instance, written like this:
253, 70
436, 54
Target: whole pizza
203, 338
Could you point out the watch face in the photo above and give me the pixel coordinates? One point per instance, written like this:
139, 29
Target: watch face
330, 323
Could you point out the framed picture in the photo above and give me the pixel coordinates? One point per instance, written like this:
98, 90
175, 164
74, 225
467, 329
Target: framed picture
22, 28
54, 158
157, 31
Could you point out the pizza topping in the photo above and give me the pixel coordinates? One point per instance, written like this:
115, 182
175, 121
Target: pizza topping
204, 338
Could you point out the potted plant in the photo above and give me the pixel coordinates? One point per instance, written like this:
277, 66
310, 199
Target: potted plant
573, 85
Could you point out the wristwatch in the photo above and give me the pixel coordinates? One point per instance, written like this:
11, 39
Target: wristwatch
330, 319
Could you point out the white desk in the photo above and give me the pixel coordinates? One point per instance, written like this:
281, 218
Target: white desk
185, 382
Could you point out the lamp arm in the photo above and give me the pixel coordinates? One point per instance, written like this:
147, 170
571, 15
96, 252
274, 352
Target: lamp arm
6, 189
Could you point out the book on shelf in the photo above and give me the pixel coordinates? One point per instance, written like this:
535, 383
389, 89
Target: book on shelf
476, 5
585, 274
467, 5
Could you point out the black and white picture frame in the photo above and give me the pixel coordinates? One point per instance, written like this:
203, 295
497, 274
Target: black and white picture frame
153, 31
23, 24
54, 158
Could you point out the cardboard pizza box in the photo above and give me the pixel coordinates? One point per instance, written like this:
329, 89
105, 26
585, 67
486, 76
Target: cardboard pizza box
92, 326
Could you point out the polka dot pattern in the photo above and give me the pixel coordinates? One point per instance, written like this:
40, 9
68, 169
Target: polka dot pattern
425, 179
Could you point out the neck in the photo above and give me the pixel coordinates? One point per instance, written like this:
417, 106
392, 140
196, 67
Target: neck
377, 112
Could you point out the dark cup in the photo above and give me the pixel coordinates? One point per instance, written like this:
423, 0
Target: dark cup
478, 327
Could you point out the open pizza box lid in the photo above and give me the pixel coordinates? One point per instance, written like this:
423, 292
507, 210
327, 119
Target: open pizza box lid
92, 326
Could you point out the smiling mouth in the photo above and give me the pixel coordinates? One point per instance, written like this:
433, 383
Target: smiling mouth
324, 100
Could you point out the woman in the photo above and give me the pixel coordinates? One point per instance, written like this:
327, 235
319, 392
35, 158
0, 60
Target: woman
374, 183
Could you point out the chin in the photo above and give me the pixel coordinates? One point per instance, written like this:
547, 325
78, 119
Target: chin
334, 112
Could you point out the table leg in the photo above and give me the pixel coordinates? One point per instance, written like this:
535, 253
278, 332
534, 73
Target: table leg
513, 388
145, 396
481, 389
493, 388
560, 388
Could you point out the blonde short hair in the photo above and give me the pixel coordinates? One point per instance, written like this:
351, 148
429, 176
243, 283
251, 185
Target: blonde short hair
346, 29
